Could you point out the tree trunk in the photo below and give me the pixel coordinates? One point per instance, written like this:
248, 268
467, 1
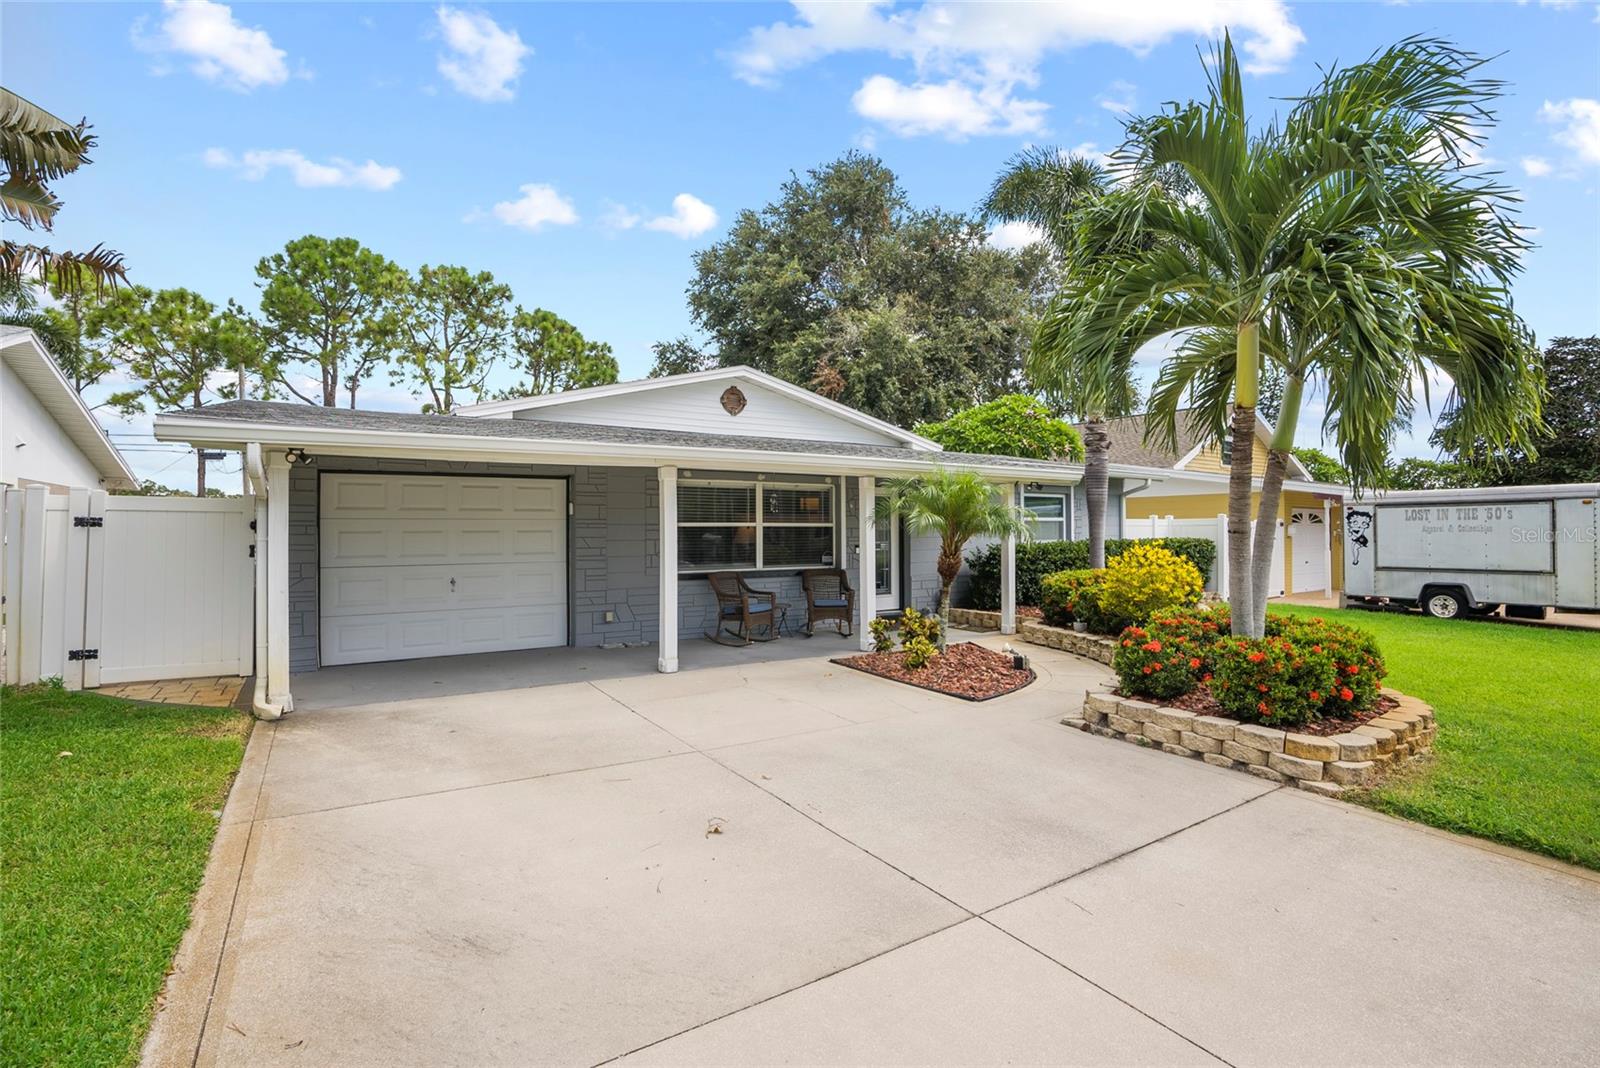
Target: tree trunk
1240, 472
944, 615
949, 566
1271, 495
1096, 486
1266, 537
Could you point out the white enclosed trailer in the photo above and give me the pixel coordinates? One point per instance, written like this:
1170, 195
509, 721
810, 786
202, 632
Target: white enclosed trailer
1454, 552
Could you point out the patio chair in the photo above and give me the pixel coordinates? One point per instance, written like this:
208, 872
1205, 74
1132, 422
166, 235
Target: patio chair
829, 597
741, 606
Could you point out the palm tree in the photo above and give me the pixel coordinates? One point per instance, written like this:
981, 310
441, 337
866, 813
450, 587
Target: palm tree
957, 506
1046, 187
36, 148
1326, 219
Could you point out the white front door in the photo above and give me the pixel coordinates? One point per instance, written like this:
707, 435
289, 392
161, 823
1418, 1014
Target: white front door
886, 565
1308, 534
432, 565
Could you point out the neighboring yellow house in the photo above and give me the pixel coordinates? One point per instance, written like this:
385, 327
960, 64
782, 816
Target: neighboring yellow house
1191, 500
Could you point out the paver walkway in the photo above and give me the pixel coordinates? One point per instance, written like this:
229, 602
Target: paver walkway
210, 692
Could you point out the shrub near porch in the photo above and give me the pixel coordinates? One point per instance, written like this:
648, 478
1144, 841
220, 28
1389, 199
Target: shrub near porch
1036, 559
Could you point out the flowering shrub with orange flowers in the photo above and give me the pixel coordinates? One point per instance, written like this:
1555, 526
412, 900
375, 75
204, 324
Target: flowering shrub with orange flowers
1271, 680
1156, 662
1304, 669
1355, 657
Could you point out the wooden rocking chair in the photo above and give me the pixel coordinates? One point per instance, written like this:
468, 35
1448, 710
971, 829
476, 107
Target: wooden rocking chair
741, 606
829, 598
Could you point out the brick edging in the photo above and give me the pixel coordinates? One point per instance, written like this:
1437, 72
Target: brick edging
1324, 765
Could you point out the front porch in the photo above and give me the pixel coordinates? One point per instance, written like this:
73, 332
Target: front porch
625, 555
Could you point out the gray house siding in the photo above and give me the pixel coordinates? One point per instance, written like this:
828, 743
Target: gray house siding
613, 558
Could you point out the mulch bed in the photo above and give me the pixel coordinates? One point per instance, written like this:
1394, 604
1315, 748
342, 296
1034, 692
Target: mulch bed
1028, 611
964, 670
1201, 703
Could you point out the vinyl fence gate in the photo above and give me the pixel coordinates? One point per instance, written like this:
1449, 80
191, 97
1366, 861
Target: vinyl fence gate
102, 589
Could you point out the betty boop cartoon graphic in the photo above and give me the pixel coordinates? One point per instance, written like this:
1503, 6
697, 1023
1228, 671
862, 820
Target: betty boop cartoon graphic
1356, 525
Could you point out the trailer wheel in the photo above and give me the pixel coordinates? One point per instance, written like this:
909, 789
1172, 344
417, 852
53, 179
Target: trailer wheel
1444, 604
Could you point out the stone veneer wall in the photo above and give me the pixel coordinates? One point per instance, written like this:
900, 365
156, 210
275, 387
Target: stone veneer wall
1325, 765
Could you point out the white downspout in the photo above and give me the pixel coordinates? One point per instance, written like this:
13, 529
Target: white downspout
261, 702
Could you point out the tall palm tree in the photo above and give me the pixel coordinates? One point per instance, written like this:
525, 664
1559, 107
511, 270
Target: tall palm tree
957, 506
1305, 219
36, 148
1046, 188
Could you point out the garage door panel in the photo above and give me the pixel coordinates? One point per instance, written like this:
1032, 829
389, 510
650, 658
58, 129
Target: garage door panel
430, 566
382, 542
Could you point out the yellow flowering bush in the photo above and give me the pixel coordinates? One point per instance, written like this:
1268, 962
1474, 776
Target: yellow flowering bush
1142, 578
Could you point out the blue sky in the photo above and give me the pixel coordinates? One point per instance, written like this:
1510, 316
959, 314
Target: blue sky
583, 152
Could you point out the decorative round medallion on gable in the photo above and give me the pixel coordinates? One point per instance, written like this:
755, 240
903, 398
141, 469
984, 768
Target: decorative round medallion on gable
733, 401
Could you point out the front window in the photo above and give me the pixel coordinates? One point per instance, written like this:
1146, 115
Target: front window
724, 526
1049, 522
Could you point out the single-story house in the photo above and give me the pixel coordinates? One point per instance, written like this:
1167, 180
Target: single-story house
48, 435
584, 518
1191, 499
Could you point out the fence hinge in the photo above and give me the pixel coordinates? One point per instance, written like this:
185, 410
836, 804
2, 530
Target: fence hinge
252, 550
83, 654
88, 520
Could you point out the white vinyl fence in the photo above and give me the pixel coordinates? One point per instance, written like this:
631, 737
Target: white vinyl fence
101, 589
1165, 526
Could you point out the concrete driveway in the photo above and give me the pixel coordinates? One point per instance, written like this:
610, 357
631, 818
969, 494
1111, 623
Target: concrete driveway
790, 862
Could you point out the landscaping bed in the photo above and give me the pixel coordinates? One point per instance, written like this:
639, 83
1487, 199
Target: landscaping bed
1324, 764
1202, 703
964, 670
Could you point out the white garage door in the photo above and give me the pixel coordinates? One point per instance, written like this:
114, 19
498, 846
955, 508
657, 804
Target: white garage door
433, 565
1308, 534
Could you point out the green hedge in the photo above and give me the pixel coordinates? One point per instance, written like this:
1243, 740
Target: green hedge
1036, 559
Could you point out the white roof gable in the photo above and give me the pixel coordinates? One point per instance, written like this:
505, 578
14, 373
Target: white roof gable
772, 408
27, 357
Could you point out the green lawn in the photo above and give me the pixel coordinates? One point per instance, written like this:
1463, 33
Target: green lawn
1517, 759
101, 853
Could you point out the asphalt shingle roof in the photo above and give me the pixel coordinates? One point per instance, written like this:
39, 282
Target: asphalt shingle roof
284, 414
1128, 444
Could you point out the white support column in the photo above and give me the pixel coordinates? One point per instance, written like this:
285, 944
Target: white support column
1327, 549
278, 582
866, 562
667, 616
1008, 573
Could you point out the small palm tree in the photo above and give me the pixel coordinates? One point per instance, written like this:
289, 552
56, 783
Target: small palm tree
957, 506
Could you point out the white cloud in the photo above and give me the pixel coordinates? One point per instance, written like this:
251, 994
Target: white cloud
483, 61
970, 59
1015, 235
1578, 120
953, 108
1119, 98
619, 216
255, 164
539, 206
690, 217
1536, 166
221, 50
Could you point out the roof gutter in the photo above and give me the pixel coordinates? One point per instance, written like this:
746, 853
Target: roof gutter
217, 433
